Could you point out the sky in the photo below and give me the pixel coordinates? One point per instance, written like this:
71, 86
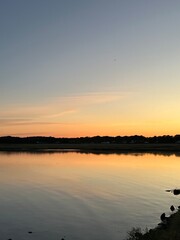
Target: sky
71, 68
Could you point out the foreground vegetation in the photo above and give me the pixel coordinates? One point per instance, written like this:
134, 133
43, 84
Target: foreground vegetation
169, 231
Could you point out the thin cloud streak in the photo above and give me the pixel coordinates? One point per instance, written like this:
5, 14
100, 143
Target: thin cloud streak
93, 98
56, 108
22, 122
63, 116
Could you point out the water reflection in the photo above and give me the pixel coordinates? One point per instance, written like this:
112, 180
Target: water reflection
83, 196
95, 152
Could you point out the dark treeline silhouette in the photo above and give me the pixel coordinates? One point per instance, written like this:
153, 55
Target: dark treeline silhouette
96, 139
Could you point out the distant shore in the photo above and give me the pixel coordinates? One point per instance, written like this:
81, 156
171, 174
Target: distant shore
96, 147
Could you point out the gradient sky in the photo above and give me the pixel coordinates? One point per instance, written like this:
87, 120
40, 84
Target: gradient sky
89, 67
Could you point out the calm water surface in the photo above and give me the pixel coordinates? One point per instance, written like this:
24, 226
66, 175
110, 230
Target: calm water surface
83, 196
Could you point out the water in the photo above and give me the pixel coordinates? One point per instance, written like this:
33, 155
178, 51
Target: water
83, 196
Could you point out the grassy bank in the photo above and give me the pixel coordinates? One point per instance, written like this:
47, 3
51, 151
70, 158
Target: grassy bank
169, 231
102, 147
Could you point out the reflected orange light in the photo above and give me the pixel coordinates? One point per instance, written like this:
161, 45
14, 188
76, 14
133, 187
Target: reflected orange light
87, 174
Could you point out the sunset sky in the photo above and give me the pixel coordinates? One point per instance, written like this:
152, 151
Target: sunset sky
73, 68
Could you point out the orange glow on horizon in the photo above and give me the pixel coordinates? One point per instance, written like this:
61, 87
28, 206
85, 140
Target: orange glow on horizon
81, 130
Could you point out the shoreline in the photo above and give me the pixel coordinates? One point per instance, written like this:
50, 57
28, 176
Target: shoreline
95, 147
162, 232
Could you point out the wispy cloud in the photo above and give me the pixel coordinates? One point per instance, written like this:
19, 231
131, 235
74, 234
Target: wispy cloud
57, 110
16, 122
68, 112
13, 120
93, 98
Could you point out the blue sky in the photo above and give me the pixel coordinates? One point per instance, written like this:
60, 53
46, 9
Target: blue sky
100, 67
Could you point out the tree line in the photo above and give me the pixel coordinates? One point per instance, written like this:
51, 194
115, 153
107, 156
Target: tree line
96, 139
